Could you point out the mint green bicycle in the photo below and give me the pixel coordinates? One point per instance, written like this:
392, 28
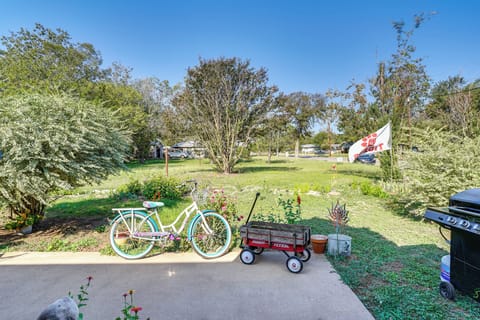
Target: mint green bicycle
134, 231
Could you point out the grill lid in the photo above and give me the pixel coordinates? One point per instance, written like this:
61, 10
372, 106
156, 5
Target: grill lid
468, 200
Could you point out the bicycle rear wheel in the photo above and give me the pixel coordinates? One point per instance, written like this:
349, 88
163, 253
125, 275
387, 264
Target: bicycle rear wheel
122, 237
211, 235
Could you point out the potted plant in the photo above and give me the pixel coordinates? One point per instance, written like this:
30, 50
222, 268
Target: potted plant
23, 223
339, 243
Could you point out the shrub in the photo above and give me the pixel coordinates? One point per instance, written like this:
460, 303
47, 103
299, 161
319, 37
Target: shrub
225, 205
55, 142
369, 189
446, 165
162, 187
157, 188
134, 187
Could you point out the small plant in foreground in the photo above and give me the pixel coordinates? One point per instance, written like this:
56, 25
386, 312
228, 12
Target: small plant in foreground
129, 311
338, 215
82, 296
23, 220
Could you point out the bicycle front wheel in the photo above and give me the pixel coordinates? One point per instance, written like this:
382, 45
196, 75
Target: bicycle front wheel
211, 235
125, 238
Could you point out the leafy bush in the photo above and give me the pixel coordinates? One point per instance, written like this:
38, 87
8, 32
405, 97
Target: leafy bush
159, 187
371, 189
447, 164
134, 187
225, 205
54, 142
162, 187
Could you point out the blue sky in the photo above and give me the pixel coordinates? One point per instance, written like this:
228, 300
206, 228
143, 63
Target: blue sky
306, 46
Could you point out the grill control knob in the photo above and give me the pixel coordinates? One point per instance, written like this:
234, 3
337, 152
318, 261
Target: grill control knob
452, 220
465, 224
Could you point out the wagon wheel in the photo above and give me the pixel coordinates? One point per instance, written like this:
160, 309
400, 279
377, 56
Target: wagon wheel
447, 290
294, 264
247, 256
257, 250
304, 256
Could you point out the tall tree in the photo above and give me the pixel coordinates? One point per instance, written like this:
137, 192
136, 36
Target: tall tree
157, 96
303, 109
401, 85
331, 113
45, 60
454, 106
356, 114
274, 128
126, 102
223, 104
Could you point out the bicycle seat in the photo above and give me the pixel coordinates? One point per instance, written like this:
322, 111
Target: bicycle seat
152, 204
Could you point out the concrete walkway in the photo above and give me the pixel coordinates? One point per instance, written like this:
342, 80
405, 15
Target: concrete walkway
178, 286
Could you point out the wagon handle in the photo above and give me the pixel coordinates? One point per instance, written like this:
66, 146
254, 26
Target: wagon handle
253, 206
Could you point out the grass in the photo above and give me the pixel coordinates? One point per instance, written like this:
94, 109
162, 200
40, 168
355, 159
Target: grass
395, 262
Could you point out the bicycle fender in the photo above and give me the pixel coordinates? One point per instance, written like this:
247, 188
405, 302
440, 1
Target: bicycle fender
141, 213
197, 216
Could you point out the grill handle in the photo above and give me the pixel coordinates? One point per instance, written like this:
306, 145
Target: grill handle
443, 236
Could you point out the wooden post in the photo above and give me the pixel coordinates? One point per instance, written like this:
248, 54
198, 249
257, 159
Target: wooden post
166, 161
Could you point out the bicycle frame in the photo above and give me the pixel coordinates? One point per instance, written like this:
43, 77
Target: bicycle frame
162, 230
134, 230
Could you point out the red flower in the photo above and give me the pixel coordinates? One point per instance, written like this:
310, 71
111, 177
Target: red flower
299, 200
136, 309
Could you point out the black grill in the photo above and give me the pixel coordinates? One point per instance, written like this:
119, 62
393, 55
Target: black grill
462, 218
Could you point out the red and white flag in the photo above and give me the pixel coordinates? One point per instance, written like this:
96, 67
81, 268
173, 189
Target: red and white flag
378, 141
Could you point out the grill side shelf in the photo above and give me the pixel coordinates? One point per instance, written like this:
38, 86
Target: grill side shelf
449, 219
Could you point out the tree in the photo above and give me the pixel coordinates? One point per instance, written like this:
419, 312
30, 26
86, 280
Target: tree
454, 106
323, 139
71, 144
157, 99
303, 109
223, 104
44, 60
357, 117
272, 132
331, 113
401, 85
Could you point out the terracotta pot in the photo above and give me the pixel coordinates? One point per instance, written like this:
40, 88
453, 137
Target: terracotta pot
121, 238
319, 242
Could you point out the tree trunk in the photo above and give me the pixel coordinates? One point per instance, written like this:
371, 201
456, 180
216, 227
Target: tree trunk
297, 147
269, 159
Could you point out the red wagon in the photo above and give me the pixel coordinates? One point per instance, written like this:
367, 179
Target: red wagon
288, 238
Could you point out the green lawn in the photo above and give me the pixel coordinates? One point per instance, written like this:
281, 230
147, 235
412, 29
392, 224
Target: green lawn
394, 267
